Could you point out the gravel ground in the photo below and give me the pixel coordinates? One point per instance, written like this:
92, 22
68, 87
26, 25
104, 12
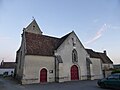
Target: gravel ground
11, 84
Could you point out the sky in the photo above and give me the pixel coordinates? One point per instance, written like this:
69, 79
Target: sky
96, 23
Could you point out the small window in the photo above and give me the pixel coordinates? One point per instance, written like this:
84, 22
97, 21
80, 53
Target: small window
73, 41
11, 72
33, 27
74, 56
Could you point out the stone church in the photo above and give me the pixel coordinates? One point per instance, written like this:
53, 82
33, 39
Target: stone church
42, 58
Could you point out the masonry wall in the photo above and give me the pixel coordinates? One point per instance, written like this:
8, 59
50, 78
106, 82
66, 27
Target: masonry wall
33, 28
20, 59
107, 66
33, 65
97, 68
65, 51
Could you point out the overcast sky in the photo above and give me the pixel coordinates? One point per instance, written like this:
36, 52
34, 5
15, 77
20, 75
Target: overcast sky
96, 23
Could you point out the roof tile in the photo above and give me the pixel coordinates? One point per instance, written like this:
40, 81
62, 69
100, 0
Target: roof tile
37, 44
104, 58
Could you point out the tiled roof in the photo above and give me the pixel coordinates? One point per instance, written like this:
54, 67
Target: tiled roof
104, 58
62, 40
8, 65
92, 53
43, 45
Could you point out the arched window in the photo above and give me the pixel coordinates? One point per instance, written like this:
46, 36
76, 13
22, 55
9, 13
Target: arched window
74, 56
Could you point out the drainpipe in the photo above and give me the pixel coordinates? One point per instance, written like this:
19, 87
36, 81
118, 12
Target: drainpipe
55, 65
55, 69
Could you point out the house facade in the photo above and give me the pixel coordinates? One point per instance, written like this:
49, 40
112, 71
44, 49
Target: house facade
7, 68
116, 66
43, 58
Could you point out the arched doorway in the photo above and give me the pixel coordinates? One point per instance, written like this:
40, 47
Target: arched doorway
43, 75
74, 73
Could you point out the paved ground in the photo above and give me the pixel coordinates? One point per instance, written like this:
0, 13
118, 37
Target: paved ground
11, 84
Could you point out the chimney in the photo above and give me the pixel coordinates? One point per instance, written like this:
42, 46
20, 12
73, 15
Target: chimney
105, 52
2, 62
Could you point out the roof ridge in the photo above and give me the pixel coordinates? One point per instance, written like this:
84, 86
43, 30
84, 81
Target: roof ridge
102, 56
62, 39
43, 35
51, 36
66, 35
43, 45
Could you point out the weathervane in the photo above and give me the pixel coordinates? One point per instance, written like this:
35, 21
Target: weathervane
33, 18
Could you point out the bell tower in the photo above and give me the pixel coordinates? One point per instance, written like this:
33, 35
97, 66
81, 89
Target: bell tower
33, 28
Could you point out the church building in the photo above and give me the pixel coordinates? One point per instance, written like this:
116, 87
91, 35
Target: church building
42, 58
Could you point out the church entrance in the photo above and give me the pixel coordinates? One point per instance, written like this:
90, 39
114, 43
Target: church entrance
74, 73
43, 75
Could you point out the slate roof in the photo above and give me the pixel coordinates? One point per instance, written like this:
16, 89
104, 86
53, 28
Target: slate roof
43, 45
104, 58
8, 65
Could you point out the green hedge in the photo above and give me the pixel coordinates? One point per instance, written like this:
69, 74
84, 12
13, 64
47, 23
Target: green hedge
115, 71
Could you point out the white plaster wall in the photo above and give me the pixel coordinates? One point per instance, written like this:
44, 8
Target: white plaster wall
65, 51
97, 68
33, 65
107, 66
6, 70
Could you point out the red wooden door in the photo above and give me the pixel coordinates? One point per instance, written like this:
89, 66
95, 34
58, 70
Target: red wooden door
74, 73
43, 75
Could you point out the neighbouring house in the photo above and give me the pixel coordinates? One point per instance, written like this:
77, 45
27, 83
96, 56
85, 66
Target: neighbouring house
7, 68
117, 66
42, 58
102, 62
